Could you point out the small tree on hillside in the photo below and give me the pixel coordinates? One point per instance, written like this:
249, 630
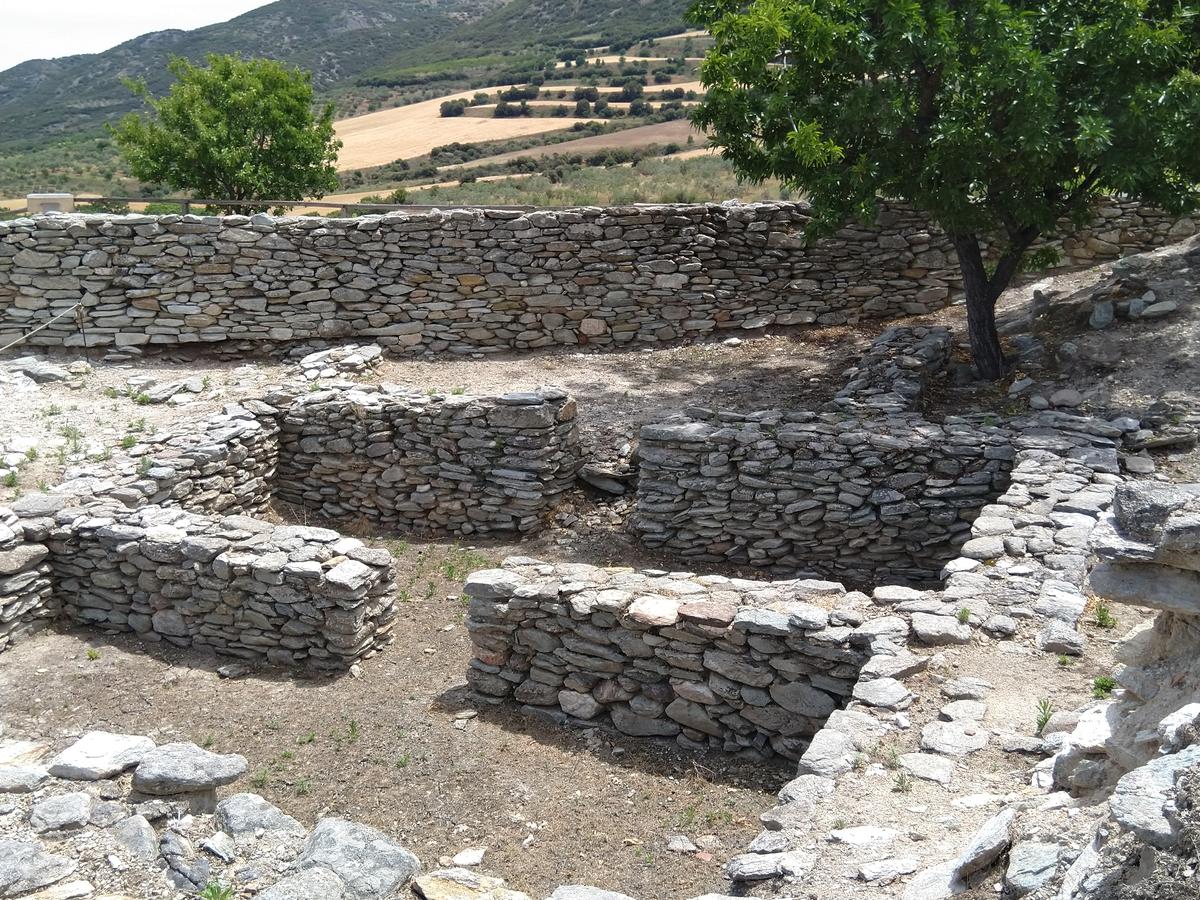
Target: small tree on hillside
995, 117
234, 129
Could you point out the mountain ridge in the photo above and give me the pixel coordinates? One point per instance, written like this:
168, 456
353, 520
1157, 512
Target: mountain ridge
47, 99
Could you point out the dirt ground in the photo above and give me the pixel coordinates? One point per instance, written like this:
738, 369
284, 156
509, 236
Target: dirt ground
399, 746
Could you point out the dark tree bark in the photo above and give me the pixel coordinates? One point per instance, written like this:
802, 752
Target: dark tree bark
982, 293
981, 308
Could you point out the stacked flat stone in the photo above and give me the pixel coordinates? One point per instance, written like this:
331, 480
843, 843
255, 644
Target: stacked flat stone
223, 464
485, 279
741, 666
1149, 544
26, 601
891, 376
289, 595
454, 463
817, 492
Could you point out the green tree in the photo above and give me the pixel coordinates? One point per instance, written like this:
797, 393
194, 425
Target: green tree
995, 117
234, 129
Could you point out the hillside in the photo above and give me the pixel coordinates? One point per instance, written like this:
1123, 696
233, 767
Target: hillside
344, 44
336, 40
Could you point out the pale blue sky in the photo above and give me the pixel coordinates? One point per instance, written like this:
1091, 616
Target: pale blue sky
49, 28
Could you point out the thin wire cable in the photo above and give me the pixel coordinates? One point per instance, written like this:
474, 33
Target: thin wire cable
26, 337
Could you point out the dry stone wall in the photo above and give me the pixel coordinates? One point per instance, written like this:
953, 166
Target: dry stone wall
429, 463
160, 541
736, 665
879, 499
289, 595
224, 464
26, 600
892, 375
480, 280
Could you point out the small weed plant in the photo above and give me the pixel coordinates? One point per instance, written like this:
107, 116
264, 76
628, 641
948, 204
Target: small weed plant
1045, 709
1104, 617
1103, 686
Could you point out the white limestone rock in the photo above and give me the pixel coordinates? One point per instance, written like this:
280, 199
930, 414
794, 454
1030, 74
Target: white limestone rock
99, 755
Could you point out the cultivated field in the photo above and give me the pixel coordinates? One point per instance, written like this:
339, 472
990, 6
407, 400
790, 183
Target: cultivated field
674, 132
390, 134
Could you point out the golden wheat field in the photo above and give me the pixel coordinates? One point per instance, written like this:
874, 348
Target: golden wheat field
390, 134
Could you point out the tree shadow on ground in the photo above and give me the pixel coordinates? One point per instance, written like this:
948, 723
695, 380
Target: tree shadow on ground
660, 757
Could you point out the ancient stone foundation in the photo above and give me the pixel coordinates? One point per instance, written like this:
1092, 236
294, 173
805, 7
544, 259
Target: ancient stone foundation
889, 500
712, 661
26, 601
480, 280
238, 586
160, 541
443, 463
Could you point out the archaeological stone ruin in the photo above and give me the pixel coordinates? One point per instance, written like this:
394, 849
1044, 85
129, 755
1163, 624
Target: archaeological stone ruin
884, 545
486, 280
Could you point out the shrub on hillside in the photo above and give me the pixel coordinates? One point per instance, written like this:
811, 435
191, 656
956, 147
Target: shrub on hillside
452, 108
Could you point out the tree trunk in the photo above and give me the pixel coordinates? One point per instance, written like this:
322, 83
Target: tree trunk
981, 308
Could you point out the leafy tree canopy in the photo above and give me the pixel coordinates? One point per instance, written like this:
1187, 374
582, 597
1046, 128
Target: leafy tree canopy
236, 129
996, 117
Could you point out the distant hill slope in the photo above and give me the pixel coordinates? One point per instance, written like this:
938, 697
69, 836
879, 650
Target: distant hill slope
335, 39
340, 41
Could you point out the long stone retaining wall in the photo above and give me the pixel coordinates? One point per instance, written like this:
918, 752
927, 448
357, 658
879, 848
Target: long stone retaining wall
443, 463
736, 665
480, 280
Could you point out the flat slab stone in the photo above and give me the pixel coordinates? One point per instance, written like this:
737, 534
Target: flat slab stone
964, 711
1144, 800
928, 766
863, 836
761, 866
886, 870
967, 688
938, 630
248, 813
25, 866
99, 755
1030, 865
887, 693
307, 885
991, 840
184, 768
64, 811
368, 862
1159, 587
22, 779
954, 738
585, 892
935, 883
137, 836
461, 884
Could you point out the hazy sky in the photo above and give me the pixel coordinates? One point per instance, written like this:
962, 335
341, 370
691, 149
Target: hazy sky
48, 28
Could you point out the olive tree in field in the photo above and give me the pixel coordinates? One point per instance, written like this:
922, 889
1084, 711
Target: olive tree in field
995, 117
234, 129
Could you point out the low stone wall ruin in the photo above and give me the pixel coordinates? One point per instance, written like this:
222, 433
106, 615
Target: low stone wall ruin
288, 595
460, 464
224, 464
736, 665
26, 600
484, 280
159, 541
890, 499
